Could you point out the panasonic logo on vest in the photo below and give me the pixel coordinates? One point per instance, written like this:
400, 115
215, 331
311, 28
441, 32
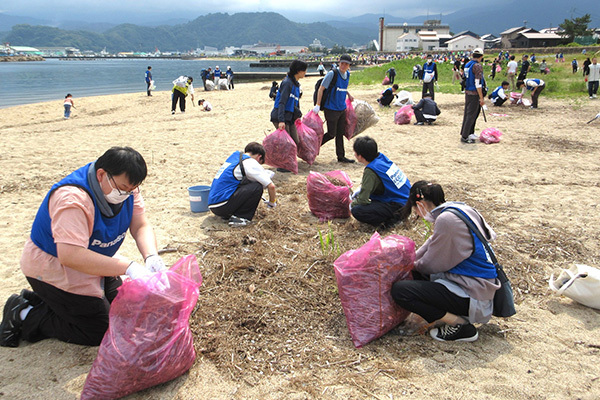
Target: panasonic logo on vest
98, 243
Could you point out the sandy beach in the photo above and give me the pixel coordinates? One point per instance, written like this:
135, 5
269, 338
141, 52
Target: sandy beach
269, 324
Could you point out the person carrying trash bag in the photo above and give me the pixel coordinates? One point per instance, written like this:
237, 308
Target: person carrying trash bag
238, 186
69, 259
286, 109
182, 86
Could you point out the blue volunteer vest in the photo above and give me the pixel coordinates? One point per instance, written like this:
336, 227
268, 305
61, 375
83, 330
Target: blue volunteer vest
395, 183
225, 183
428, 68
147, 76
292, 102
217, 73
336, 101
478, 264
538, 81
495, 92
108, 232
470, 84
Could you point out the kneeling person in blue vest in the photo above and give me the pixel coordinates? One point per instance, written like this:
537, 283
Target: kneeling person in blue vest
454, 278
499, 96
68, 258
384, 187
182, 86
238, 186
331, 96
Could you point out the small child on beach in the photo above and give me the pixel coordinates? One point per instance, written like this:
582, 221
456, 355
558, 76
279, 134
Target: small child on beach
68, 104
204, 105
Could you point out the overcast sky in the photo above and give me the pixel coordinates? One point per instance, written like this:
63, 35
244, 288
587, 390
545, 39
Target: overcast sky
74, 9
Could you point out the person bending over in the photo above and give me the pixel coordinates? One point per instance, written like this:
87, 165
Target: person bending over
69, 257
454, 278
384, 187
387, 96
238, 186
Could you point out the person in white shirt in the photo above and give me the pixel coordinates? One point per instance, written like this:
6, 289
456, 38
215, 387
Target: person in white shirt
238, 186
498, 96
512, 71
593, 78
182, 86
204, 105
535, 86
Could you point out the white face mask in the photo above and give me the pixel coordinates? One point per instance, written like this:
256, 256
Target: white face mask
428, 61
115, 196
424, 213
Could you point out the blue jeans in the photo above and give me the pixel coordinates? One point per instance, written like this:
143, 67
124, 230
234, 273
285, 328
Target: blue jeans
67, 110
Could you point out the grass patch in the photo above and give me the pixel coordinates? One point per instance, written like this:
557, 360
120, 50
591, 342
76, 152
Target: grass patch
560, 82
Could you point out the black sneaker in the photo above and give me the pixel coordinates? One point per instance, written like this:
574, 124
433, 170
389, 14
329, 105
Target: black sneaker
283, 170
467, 140
418, 123
345, 160
238, 221
31, 297
10, 329
458, 333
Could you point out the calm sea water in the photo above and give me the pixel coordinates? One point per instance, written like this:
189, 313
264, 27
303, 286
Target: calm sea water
33, 82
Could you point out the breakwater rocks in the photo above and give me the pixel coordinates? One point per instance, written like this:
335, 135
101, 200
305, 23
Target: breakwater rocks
21, 58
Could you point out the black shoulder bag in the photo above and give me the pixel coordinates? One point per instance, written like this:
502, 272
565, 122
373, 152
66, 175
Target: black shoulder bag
504, 304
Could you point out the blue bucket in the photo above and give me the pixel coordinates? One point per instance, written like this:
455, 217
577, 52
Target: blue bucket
199, 198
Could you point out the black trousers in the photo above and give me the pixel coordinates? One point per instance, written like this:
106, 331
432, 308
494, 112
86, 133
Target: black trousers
336, 127
242, 203
148, 88
472, 110
420, 118
428, 87
592, 87
392, 78
69, 317
534, 97
499, 101
177, 95
376, 213
428, 299
386, 100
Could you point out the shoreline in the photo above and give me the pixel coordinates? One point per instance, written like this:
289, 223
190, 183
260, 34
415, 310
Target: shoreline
268, 326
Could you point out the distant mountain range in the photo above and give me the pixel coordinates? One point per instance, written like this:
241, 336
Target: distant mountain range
269, 27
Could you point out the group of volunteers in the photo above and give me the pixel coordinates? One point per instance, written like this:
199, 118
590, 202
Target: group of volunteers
70, 257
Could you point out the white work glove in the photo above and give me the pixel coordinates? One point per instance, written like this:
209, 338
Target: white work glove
136, 271
355, 194
155, 263
317, 109
271, 204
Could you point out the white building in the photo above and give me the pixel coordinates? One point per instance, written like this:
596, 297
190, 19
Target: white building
429, 40
407, 42
388, 34
464, 42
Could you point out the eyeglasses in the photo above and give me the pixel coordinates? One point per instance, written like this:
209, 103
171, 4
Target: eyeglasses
122, 193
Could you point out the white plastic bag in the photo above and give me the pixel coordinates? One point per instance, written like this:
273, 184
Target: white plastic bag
404, 98
152, 85
580, 283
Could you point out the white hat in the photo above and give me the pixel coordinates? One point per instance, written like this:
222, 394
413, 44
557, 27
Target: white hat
478, 51
217, 66
228, 67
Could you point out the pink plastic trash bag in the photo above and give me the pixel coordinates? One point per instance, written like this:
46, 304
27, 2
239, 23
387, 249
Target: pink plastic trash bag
365, 277
386, 81
308, 142
490, 135
351, 120
329, 194
315, 122
404, 115
281, 151
148, 340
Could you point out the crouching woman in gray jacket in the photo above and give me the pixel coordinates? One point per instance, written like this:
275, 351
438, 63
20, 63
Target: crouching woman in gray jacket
454, 278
